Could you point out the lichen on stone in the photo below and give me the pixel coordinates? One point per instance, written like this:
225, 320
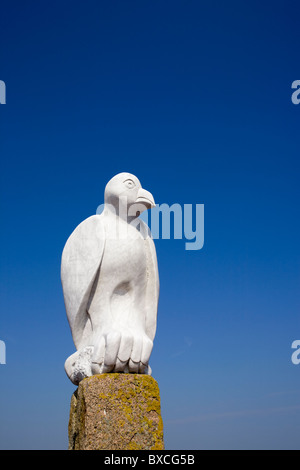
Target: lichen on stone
116, 412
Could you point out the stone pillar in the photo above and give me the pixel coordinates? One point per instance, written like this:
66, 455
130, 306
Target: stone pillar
116, 412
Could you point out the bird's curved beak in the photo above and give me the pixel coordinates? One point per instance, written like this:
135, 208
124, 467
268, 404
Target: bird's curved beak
146, 198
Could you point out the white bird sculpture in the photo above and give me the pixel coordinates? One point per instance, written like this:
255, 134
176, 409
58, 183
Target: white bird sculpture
110, 283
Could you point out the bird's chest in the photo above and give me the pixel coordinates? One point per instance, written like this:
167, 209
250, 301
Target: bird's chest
125, 256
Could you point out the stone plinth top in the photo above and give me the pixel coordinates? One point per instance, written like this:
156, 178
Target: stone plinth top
116, 412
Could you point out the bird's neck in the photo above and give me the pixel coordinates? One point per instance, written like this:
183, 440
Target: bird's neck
118, 212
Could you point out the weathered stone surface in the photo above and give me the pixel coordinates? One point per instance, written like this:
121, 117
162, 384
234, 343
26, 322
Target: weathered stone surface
116, 412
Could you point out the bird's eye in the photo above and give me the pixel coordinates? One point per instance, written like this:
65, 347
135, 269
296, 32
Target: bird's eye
129, 184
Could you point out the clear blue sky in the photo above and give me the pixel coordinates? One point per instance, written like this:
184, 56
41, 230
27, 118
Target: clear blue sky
194, 98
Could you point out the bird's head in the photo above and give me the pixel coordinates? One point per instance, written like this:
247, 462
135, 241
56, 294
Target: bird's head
124, 192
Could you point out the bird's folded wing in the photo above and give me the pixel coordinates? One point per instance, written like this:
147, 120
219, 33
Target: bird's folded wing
81, 259
152, 290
